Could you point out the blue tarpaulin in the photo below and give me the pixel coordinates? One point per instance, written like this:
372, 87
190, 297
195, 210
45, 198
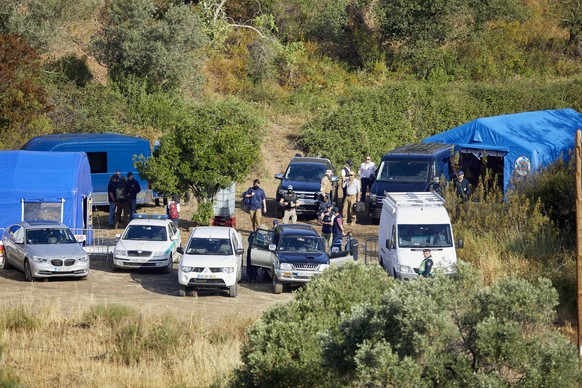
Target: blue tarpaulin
51, 183
527, 141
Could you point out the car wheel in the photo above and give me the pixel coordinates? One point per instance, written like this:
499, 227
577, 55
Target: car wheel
170, 266
380, 261
232, 290
28, 272
265, 274
277, 287
394, 272
186, 291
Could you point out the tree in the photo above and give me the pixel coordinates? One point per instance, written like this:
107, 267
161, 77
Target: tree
159, 44
447, 330
215, 146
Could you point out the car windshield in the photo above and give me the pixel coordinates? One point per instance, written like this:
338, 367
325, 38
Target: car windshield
403, 171
50, 236
300, 244
307, 173
425, 236
209, 246
146, 233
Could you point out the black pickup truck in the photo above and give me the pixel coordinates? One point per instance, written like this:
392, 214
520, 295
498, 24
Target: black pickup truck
292, 254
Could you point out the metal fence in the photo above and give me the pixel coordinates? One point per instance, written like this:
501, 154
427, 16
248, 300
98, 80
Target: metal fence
371, 251
96, 241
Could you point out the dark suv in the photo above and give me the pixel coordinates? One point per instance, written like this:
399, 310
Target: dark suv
305, 174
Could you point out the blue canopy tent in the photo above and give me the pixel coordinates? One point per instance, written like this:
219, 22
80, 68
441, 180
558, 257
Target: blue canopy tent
516, 143
45, 185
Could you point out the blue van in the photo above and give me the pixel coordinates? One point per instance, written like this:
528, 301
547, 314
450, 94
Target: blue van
107, 153
410, 168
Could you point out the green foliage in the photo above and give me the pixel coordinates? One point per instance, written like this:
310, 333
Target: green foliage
159, 44
204, 213
215, 146
18, 319
283, 349
381, 332
23, 103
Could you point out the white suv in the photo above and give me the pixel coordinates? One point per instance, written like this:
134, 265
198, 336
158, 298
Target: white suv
147, 243
212, 259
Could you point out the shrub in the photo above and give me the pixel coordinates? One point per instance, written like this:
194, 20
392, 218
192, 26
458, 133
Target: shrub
204, 213
19, 319
110, 314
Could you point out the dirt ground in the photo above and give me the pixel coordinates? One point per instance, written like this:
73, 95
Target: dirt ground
158, 292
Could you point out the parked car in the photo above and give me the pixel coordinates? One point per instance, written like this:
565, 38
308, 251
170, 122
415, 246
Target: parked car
293, 254
212, 259
305, 174
43, 249
149, 241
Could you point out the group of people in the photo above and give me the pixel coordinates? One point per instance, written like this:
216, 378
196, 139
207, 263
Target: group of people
122, 195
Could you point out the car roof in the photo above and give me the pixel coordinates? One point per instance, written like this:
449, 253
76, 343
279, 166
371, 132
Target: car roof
211, 232
41, 224
149, 221
304, 159
297, 229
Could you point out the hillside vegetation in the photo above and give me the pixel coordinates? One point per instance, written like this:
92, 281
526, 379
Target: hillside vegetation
356, 77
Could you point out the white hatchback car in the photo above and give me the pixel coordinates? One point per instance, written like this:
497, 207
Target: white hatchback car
212, 259
147, 242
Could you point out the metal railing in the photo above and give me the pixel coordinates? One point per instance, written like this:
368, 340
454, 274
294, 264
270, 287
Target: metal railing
96, 241
371, 251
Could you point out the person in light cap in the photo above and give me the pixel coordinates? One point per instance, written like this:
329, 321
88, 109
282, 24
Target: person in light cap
462, 186
346, 170
289, 202
326, 188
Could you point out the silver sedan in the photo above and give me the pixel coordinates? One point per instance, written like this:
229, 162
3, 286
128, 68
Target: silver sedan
43, 249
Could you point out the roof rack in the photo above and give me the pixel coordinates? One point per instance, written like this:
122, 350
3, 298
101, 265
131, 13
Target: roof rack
143, 216
415, 199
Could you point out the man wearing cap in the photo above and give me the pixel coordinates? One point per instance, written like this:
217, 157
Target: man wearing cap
326, 187
345, 171
134, 188
289, 202
366, 173
337, 228
111, 187
258, 204
327, 223
462, 186
353, 192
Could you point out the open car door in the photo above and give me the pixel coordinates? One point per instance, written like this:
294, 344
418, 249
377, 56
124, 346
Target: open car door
340, 254
261, 256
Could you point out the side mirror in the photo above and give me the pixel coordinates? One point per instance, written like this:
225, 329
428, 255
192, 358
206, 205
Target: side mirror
334, 179
239, 251
180, 250
118, 236
460, 244
19, 241
174, 238
279, 176
436, 180
389, 244
272, 247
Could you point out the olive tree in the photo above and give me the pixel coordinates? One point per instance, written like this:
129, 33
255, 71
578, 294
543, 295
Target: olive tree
216, 145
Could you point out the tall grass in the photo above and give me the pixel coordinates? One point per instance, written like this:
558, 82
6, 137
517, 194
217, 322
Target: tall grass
117, 346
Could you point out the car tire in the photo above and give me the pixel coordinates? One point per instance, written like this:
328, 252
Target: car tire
232, 290
28, 272
170, 266
277, 287
186, 291
266, 276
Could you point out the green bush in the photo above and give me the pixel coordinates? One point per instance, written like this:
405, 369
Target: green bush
204, 213
19, 319
355, 326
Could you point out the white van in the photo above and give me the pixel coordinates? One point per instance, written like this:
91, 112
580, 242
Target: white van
410, 223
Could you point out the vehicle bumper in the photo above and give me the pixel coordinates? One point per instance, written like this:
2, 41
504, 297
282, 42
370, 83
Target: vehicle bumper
214, 280
45, 270
295, 276
141, 262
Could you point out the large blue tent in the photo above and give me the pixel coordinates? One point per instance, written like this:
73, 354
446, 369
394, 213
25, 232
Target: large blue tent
525, 141
48, 185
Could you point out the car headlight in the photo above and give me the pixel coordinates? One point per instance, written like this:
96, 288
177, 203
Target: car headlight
286, 266
405, 268
83, 258
187, 269
373, 197
323, 267
120, 252
227, 269
38, 259
160, 253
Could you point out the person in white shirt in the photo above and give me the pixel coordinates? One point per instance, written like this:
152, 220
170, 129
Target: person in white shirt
366, 173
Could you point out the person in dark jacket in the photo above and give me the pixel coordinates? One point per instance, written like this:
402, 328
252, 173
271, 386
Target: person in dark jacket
462, 186
122, 203
134, 188
425, 268
111, 186
258, 203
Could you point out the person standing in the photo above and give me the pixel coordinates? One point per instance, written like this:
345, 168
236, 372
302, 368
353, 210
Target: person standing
353, 192
134, 188
258, 203
173, 210
111, 186
337, 228
462, 186
366, 173
121, 202
425, 267
326, 188
289, 202
327, 224
346, 170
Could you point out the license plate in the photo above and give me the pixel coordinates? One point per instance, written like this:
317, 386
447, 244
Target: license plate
56, 269
139, 260
205, 276
303, 274
309, 202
